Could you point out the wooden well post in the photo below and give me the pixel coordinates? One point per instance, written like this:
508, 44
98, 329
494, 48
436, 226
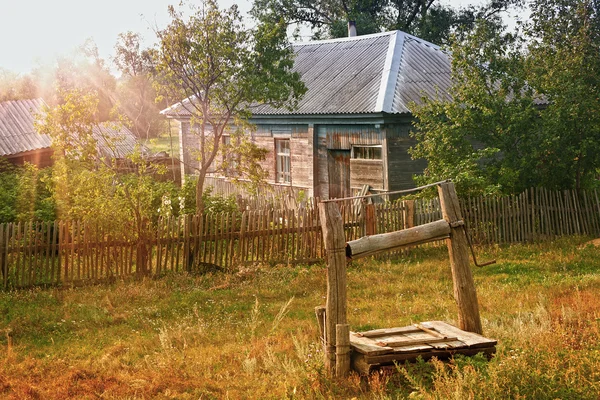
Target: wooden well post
336, 328
458, 250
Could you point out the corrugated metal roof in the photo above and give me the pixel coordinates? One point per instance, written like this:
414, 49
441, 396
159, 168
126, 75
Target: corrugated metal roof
18, 134
114, 140
424, 72
376, 73
17, 130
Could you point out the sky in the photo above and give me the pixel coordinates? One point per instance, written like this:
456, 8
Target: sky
36, 32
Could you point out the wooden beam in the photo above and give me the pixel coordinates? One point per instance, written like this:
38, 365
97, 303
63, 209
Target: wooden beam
370, 245
335, 248
462, 278
342, 350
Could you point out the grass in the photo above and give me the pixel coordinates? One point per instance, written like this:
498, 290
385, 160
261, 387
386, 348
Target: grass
164, 143
253, 334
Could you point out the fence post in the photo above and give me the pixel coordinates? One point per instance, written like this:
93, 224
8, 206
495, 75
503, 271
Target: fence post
370, 219
462, 278
3, 258
335, 247
409, 214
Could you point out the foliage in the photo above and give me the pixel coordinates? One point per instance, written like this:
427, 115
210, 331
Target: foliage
15, 87
564, 66
120, 195
428, 20
219, 69
219, 335
519, 118
136, 89
24, 194
213, 203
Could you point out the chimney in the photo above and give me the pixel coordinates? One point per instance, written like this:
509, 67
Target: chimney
351, 28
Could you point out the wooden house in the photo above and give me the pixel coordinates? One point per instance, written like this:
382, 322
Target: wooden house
352, 126
20, 142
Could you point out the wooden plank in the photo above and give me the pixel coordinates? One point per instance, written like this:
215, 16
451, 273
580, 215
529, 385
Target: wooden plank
388, 332
407, 341
335, 243
342, 350
370, 245
470, 339
464, 286
425, 355
365, 345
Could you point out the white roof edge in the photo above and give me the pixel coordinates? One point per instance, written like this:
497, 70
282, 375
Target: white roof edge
389, 75
344, 39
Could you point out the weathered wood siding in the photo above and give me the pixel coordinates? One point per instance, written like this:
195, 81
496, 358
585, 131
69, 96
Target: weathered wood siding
401, 167
301, 151
42, 158
343, 137
366, 172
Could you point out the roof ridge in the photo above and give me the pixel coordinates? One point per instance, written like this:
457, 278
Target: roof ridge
389, 75
345, 39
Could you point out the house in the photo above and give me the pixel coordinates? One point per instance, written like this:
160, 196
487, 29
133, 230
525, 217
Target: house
20, 142
352, 126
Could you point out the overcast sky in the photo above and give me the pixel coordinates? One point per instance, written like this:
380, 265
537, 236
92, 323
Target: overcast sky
34, 32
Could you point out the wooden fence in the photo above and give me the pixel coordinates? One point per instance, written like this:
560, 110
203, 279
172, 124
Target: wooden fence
66, 252
534, 215
266, 196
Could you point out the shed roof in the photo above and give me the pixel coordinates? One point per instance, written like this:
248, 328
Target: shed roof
18, 133
17, 130
114, 140
376, 73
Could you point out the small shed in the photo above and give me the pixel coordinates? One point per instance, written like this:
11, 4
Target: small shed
19, 141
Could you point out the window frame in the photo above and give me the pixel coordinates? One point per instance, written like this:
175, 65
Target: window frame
283, 159
354, 155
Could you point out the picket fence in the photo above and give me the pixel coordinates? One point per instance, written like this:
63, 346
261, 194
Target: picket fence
73, 252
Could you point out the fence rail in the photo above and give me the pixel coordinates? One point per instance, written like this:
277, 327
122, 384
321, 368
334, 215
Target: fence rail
69, 252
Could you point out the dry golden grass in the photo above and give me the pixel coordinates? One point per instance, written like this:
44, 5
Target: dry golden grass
253, 334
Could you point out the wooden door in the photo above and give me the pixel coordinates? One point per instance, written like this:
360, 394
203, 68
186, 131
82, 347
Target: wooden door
338, 170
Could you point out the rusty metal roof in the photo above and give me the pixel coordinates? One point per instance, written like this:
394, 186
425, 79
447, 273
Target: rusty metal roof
382, 72
17, 130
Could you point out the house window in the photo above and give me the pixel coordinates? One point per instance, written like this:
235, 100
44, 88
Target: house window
366, 152
283, 164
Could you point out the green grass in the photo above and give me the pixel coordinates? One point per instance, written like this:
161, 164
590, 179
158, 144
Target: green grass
164, 143
253, 334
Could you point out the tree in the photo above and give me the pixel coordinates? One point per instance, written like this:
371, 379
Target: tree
221, 68
136, 91
525, 109
17, 87
564, 65
325, 17
89, 187
426, 19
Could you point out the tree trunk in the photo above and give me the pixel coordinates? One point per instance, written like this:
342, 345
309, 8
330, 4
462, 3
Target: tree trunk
199, 191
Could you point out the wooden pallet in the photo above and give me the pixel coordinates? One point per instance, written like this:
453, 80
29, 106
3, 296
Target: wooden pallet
380, 347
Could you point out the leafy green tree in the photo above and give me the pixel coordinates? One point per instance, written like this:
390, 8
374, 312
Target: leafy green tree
221, 69
525, 109
136, 90
426, 19
564, 65
326, 18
